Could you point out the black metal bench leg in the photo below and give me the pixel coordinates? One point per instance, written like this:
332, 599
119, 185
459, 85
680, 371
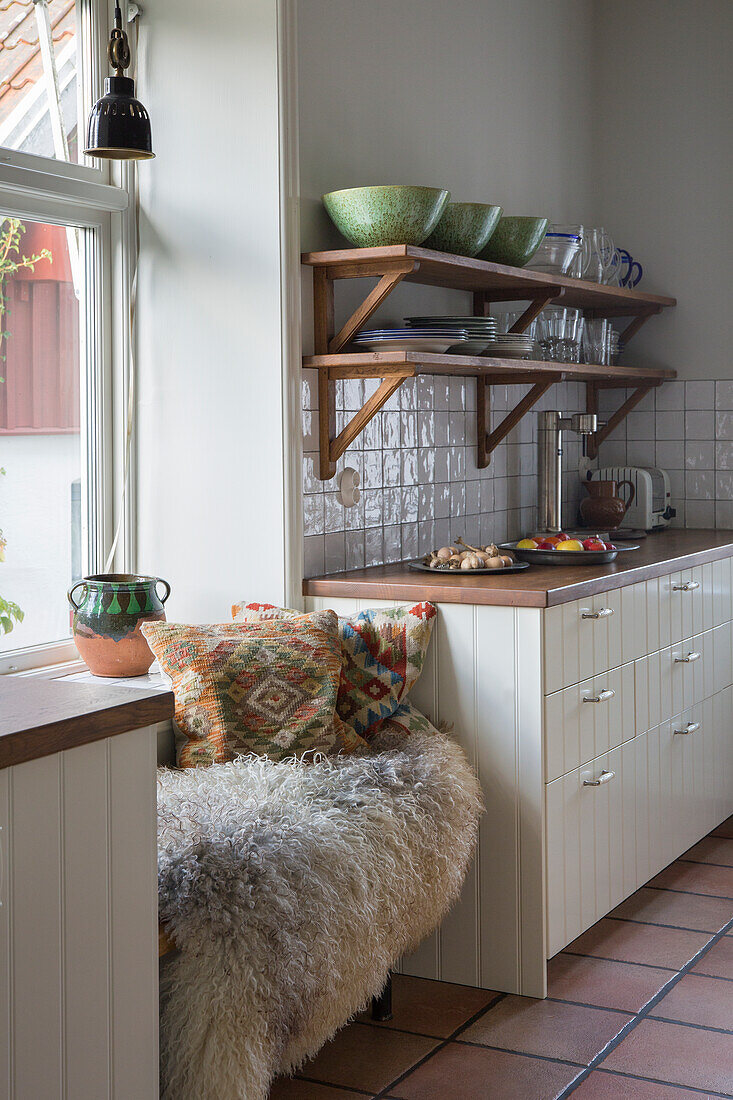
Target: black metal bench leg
382, 1005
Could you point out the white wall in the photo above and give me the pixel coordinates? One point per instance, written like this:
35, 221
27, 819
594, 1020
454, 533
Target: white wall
663, 167
210, 499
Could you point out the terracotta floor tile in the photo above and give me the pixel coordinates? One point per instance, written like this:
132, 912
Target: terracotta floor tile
433, 1008
682, 1055
698, 1000
610, 1086
712, 849
700, 878
467, 1073
546, 1027
718, 961
683, 910
618, 985
725, 828
287, 1088
368, 1058
639, 943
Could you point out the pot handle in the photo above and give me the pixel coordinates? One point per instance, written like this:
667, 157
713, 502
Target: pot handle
632, 493
159, 580
70, 593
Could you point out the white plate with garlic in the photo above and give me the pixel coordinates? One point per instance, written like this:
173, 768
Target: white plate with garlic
463, 559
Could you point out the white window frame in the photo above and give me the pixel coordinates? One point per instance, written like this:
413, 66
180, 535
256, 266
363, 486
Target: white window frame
60, 193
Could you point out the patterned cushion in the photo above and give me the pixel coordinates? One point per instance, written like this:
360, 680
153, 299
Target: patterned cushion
384, 650
268, 687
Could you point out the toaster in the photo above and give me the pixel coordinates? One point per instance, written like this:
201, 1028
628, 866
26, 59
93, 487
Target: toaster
651, 507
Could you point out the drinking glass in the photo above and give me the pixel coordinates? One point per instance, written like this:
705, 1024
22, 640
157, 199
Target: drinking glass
596, 340
603, 257
560, 329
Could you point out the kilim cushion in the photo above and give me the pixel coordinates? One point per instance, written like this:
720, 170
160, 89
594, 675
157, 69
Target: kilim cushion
268, 688
384, 650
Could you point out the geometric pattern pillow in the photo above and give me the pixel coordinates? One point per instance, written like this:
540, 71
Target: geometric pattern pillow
384, 651
264, 687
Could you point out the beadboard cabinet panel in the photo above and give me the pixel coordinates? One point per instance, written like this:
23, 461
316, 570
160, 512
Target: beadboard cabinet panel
481, 679
78, 923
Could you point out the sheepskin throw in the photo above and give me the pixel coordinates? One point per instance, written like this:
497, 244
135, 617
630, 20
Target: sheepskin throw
267, 687
291, 889
384, 651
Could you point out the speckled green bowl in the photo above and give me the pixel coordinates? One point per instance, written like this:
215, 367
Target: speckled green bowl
515, 241
465, 228
392, 214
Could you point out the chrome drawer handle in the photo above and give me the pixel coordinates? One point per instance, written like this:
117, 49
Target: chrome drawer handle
603, 613
688, 659
604, 777
601, 697
691, 727
688, 586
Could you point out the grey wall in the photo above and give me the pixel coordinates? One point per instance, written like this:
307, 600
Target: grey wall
607, 114
663, 167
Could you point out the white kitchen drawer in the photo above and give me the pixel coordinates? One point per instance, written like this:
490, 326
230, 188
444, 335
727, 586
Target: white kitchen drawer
578, 729
590, 844
581, 640
682, 675
676, 791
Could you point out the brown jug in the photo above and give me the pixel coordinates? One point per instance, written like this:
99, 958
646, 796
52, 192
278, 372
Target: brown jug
603, 507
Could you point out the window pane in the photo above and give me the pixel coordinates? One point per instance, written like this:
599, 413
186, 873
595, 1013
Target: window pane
38, 77
41, 486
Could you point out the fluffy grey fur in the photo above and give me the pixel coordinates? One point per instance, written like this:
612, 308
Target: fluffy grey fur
291, 889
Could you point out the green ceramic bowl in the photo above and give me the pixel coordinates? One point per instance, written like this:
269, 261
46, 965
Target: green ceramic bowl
465, 228
373, 216
515, 241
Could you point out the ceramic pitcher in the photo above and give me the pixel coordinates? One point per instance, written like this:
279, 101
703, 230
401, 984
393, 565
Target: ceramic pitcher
107, 617
603, 507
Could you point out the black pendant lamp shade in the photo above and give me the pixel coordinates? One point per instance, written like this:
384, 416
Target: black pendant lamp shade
119, 125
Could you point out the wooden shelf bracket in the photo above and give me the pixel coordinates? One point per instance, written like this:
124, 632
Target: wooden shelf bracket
332, 446
638, 394
488, 441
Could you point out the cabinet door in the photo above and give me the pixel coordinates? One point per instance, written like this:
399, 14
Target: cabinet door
591, 843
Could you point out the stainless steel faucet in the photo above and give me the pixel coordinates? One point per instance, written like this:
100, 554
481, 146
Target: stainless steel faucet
549, 467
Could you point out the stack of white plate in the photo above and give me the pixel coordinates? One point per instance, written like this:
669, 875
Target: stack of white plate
514, 345
480, 330
429, 338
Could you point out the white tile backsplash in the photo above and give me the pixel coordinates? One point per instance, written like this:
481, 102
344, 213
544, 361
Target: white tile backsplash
421, 485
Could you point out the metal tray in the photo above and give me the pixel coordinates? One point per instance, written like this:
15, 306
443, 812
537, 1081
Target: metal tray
518, 567
569, 557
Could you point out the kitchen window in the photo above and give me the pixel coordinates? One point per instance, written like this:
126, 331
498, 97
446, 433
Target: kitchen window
64, 269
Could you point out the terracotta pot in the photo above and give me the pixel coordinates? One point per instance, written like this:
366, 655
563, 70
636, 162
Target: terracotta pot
107, 621
603, 508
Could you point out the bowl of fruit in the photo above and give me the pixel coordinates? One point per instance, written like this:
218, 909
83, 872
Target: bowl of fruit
564, 549
463, 559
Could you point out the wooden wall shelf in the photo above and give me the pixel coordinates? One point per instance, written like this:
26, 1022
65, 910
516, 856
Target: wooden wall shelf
489, 283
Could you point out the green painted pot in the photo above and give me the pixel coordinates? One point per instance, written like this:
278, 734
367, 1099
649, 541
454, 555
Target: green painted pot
107, 619
515, 241
465, 228
392, 214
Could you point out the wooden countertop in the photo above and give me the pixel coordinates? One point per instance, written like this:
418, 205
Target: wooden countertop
39, 717
539, 586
